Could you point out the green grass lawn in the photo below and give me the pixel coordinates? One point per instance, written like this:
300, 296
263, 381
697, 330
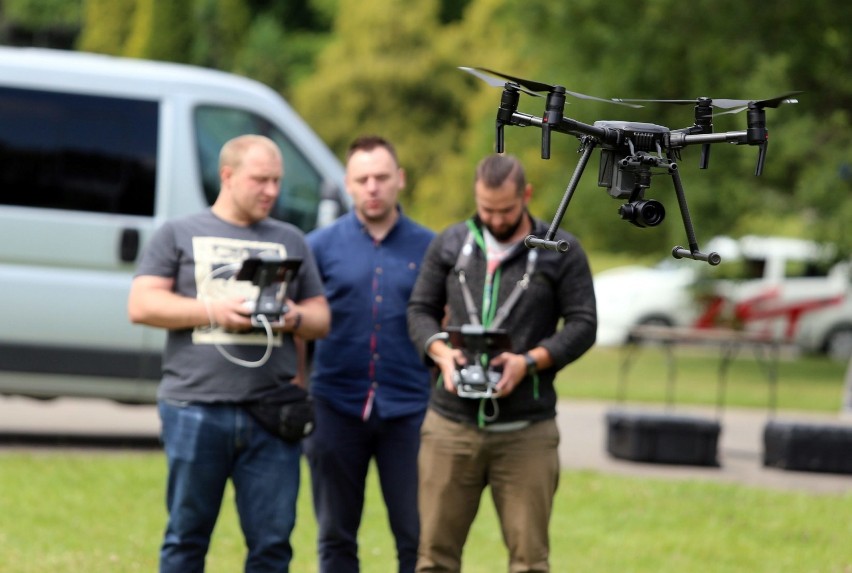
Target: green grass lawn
94, 512
98, 513
809, 383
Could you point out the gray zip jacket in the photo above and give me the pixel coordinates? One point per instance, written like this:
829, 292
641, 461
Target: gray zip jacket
557, 312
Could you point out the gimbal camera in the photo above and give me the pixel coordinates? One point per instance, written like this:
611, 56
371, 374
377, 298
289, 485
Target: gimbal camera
631, 152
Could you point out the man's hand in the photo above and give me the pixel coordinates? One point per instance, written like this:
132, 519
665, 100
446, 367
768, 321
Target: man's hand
231, 314
514, 371
153, 302
447, 359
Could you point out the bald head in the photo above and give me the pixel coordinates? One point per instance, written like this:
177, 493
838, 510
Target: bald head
232, 153
250, 169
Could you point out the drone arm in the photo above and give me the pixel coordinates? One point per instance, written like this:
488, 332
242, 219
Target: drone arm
579, 129
751, 137
679, 139
568, 126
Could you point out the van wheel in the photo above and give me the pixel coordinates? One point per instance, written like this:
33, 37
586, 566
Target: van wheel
838, 343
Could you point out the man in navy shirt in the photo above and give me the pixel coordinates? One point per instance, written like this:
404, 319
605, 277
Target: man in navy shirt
368, 382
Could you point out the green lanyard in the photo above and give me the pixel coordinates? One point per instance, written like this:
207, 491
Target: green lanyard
491, 290
490, 296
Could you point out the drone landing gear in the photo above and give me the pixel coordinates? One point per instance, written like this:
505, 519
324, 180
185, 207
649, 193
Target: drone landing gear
637, 210
587, 146
693, 252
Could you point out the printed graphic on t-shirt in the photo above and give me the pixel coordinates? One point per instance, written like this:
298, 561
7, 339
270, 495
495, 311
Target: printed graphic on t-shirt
217, 260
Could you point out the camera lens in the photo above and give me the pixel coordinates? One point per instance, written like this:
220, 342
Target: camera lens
643, 213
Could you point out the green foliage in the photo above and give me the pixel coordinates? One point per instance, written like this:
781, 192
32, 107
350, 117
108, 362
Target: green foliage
391, 67
262, 55
36, 14
106, 25
222, 27
672, 49
381, 74
161, 30
274, 56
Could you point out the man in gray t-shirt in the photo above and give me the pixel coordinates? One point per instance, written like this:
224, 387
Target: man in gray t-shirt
215, 360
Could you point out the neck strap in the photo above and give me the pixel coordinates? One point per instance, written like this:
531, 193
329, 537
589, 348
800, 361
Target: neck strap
462, 262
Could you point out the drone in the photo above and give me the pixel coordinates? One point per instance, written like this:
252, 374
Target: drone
631, 152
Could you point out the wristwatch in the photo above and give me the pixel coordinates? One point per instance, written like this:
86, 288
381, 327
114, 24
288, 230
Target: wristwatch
532, 368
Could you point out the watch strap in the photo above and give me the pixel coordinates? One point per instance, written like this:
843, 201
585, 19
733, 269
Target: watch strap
532, 367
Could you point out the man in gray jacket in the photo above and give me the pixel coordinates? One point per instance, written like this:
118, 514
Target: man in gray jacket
478, 277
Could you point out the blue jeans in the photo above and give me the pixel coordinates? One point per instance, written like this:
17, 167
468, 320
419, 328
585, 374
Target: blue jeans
339, 454
206, 444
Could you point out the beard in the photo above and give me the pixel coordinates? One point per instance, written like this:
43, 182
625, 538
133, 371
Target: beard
507, 232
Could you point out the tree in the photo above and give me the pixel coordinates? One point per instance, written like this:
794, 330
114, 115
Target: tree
391, 67
220, 33
161, 30
47, 23
381, 74
106, 25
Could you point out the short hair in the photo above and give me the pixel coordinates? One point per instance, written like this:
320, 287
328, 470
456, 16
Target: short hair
369, 143
495, 169
234, 149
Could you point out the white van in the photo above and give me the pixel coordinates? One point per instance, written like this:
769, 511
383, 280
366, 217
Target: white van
95, 153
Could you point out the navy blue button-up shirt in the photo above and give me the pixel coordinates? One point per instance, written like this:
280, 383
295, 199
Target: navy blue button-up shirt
368, 360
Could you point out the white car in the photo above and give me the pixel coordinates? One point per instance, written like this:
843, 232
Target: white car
782, 286
634, 295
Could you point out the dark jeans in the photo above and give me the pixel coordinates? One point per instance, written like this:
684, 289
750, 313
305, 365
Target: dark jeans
339, 454
205, 446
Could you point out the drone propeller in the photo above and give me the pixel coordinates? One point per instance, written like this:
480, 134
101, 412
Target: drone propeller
533, 87
497, 83
732, 105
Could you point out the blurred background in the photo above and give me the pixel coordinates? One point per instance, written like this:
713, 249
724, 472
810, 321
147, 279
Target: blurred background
391, 66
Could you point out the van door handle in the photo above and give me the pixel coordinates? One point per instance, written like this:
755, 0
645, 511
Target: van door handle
128, 248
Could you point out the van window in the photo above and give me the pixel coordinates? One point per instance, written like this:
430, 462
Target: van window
77, 152
300, 186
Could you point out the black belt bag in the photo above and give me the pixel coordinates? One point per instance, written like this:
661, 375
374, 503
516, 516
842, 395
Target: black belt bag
288, 415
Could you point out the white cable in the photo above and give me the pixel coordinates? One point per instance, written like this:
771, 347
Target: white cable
263, 359
202, 291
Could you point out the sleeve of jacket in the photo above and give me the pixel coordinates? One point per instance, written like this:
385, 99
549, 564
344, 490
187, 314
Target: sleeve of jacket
578, 307
427, 303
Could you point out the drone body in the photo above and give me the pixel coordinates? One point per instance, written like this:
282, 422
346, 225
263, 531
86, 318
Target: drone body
631, 152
